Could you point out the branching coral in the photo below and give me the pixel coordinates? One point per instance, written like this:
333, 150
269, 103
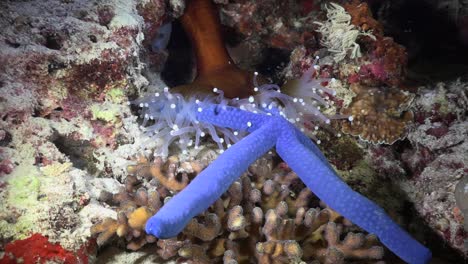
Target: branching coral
172, 174
240, 227
137, 203
136, 206
206, 231
268, 115
354, 246
265, 132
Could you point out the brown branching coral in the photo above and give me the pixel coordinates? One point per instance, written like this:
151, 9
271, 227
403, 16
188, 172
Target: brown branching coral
168, 248
207, 230
353, 246
136, 207
284, 234
283, 251
267, 216
106, 229
194, 254
139, 199
171, 174
167, 175
380, 115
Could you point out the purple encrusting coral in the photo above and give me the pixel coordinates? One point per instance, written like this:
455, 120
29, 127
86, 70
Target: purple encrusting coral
171, 117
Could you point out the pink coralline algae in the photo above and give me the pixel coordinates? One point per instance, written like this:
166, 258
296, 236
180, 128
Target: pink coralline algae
278, 24
6, 167
435, 158
56, 61
385, 60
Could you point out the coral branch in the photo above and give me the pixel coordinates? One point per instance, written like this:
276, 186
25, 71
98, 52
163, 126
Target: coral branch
302, 156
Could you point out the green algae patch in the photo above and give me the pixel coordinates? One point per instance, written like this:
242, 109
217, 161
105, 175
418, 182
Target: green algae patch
116, 95
22, 228
362, 177
56, 169
7, 230
25, 225
23, 191
107, 112
24, 185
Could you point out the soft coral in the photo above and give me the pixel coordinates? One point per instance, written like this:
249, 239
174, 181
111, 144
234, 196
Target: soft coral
214, 65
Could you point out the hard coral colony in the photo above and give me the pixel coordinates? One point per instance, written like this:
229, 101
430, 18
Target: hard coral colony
302, 156
269, 116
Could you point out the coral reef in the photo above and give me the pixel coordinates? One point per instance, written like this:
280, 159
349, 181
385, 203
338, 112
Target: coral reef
284, 24
361, 16
267, 131
137, 203
68, 139
460, 197
385, 61
53, 55
264, 216
434, 158
65, 68
339, 35
385, 66
170, 117
442, 136
367, 81
379, 115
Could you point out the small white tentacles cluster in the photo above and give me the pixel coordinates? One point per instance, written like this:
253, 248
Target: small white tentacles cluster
339, 36
172, 118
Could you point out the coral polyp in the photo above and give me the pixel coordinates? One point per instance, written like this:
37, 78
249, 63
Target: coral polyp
172, 116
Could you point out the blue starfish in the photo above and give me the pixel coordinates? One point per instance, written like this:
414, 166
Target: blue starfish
302, 155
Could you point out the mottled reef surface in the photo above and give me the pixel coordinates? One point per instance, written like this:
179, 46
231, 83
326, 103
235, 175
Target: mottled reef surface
78, 174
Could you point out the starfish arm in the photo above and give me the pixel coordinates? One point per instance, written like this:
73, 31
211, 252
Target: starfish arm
301, 155
305, 141
231, 117
212, 182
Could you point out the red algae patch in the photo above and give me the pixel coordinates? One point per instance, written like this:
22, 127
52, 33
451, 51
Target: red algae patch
38, 249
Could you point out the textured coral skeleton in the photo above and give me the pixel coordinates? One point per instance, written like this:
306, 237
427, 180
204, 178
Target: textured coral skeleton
267, 131
267, 215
